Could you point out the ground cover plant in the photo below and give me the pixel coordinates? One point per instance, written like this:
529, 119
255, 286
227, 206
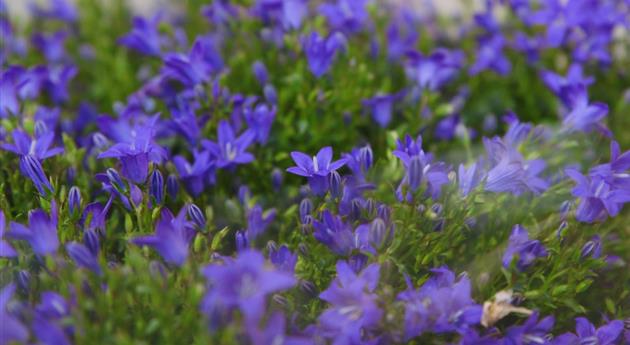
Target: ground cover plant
315, 172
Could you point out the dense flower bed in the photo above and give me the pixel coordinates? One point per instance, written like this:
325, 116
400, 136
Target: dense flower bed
315, 172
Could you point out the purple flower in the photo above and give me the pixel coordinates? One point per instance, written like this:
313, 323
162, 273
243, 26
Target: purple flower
144, 37
338, 235
257, 222
156, 186
525, 249
614, 172
52, 46
283, 259
220, 11
445, 129
531, 332
557, 83
230, 150
11, 328
62, 10
242, 283
582, 115
135, 153
401, 36
9, 88
83, 257
49, 313
55, 81
260, 72
442, 304
74, 200
41, 232
592, 248
469, 178
346, 15
490, 56
172, 237
380, 107
420, 169
97, 214
316, 168
359, 160
353, 310
197, 176
288, 13
260, 120
320, 52
6, 250
608, 334
39, 148
434, 71
197, 66
598, 198
32, 168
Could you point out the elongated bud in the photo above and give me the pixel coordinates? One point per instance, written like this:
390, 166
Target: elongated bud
355, 209
437, 209
100, 141
40, 129
272, 247
415, 173
384, 212
592, 248
308, 287
136, 195
270, 94
306, 207
244, 194
91, 241
32, 168
195, 213
74, 200
366, 158
172, 186
23, 280
116, 180
157, 270
276, 179
370, 207
260, 72
334, 181
377, 233
156, 188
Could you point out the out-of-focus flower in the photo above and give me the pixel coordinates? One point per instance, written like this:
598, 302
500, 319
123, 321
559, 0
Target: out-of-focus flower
41, 232
490, 56
6, 250
259, 120
242, 283
522, 247
83, 256
172, 237
586, 333
316, 168
283, 259
52, 46
257, 222
320, 52
349, 16
533, 331
381, 107
582, 115
442, 304
11, 328
435, 70
197, 176
74, 200
57, 9
197, 66
144, 36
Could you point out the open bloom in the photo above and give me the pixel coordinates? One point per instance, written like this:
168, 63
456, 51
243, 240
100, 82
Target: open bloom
230, 150
586, 333
316, 168
435, 70
38, 147
244, 284
198, 175
320, 52
172, 237
598, 198
144, 36
525, 249
353, 307
197, 66
136, 153
583, 116
41, 232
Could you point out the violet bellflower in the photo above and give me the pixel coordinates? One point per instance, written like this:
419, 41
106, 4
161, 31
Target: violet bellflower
11, 328
490, 56
598, 199
288, 13
348, 16
197, 66
96, 213
442, 304
523, 248
339, 236
63, 10
242, 283
230, 150
321, 51
354, 309
532, 331
197, 176
468, 178
359, 160
52, 46
39, 147
259, 120
172, 237
586, 333
582, 115
283, 259
431, 72
144, 36
83, 257
41, 232
381, 107
136, 153
420, 169
258, 222
6, 250
401, 36
56, 81
557, 83
316, 168
47, 323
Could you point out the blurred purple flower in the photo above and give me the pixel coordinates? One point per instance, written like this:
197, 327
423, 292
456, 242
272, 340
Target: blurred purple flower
197, 66
348, 16
144, 36
525, 249
435, 70
260, 119
6, 250
320, 52
41, 232
11, 328
197, 176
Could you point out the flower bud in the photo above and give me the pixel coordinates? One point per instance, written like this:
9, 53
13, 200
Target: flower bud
377, 233
384, 212
91, 241
592, 248
242, 240
116, 180
172, 186
74, 200
197, 216
276, 179
415, 173
306, 207
136, 195
366, 158
270, 94
156, 186
334, 182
